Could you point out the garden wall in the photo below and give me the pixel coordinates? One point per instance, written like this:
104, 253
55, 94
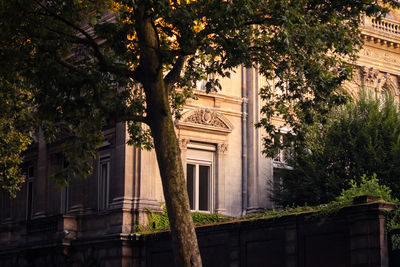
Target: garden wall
354, 236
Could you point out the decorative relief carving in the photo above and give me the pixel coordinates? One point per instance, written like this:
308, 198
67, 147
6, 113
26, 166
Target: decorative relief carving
206, 117
384, 56
369, 76
377, 80
386, 82
356, 78
388, 57
368, 52
183, 143
204, 120
222, 147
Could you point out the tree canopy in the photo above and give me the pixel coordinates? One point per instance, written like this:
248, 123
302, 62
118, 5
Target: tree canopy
84, 64
360, 138
75, 57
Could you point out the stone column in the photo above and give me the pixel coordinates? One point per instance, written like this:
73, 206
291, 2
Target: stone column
220, 178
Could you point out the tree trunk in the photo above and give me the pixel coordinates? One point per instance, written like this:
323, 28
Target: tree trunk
186, 251
159, 118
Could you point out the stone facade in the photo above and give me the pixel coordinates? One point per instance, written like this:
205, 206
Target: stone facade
221, 152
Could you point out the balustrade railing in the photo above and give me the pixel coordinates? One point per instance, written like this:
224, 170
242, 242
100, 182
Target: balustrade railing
383, 26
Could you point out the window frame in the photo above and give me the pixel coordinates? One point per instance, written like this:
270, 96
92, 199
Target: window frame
280, 160
103, 188
196, 184
200, 154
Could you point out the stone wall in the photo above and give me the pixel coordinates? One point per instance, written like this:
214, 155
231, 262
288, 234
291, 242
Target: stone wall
354, 236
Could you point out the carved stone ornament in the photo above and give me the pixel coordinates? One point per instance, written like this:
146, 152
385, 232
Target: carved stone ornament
370, 76
357, 76
206, 117
388, 83
222, 148
183, 143
205, 120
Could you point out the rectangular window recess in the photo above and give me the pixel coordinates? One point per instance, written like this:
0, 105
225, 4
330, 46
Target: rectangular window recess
199, 185
200, 176
103, 182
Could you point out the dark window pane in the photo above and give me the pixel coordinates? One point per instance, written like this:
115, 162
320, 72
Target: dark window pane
190, 168
103, 185
30, 172
204, 175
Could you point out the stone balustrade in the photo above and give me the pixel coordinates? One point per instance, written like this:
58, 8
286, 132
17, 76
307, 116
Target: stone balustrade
384, 31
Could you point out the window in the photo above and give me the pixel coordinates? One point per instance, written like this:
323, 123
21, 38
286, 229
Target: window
103, 183
198, 185
202, 84
199, 178
29, 192
280, 165
281, 158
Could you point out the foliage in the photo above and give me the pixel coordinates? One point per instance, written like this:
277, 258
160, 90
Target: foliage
277, 213
362, 137
16, 134
369, 186
85, 68
158, 221
91, 64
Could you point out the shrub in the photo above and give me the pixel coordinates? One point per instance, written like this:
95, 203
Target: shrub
158, 221
362, 137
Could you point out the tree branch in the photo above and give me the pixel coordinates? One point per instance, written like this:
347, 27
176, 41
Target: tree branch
88, 40
173, 75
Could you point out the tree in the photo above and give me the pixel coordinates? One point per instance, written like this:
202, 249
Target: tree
87, 63
360, 138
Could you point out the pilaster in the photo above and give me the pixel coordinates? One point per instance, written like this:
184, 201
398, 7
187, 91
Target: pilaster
40, 185
220, 207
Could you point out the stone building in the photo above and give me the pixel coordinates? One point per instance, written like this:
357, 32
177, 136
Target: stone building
221, 151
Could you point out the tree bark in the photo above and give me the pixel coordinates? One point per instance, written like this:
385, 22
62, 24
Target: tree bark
159, 118
186, 251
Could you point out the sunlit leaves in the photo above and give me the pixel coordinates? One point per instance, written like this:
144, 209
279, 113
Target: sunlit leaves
82, 61
16, 133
